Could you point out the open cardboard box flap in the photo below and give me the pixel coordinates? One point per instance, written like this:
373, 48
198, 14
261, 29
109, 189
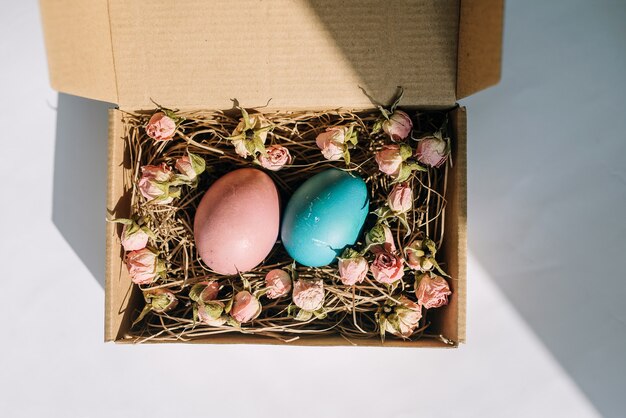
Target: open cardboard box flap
301, 54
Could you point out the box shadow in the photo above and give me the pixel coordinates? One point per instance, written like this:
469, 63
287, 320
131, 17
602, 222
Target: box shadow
80, 179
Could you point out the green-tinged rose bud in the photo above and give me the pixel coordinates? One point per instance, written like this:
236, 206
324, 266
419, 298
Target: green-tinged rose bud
376, 235
157, 300
406, 151
160, 300
210, 313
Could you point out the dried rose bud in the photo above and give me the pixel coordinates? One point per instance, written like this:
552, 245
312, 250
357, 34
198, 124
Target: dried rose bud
432, 291
160, 300
352, 268
155, 184
389, 159
210, 313
161, 127
204, 291
308, 295
250, 134
134, 237
278, 283
387, 267
420, 254
157, 300
400, 199
332, 142
432, 151
144, 266
400, 319
190, 166
398, 126
277, 157
245, 307
380, 238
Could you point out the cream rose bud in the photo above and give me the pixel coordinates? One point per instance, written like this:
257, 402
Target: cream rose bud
161, 300
245, 307
277, 157
432, 292
155, 182
258, 128
190, 166
308, 295
387, 267
278, 283
389, 159
398, 126
332, 142
418, 256
144, 266
404, 317
352, 270
400, 198
161, 127
432, 151
134, 237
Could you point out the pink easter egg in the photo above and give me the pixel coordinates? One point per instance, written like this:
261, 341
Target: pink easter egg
237, 221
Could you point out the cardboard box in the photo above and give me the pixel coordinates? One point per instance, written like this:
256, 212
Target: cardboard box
301, 54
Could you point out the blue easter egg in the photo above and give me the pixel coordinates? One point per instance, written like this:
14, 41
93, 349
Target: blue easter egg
324, 215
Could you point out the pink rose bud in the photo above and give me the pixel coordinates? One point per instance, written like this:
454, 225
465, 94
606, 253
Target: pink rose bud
432, 151
432, 292
245, 307
387, 267
352, 270
398, 126
390, 158
190, 166
401, 319
278, 283
308, 295
419, 255
400, 200
161, 127
210, 313
144, 266
332, 142
154, 183
160, 300
277, 157
134, 237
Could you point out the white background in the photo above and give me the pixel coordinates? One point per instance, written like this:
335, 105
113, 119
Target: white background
546, 313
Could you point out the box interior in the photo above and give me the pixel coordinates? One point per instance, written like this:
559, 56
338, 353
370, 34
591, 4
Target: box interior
124, 301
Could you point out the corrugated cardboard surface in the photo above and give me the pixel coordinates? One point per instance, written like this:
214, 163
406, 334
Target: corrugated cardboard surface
123, 300
300, 53
480, 45
78, 44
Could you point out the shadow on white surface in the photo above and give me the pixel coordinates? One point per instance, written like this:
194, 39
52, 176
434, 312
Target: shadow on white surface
547, 185
80, 178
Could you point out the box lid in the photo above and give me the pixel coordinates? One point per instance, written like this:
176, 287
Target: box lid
298, 53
